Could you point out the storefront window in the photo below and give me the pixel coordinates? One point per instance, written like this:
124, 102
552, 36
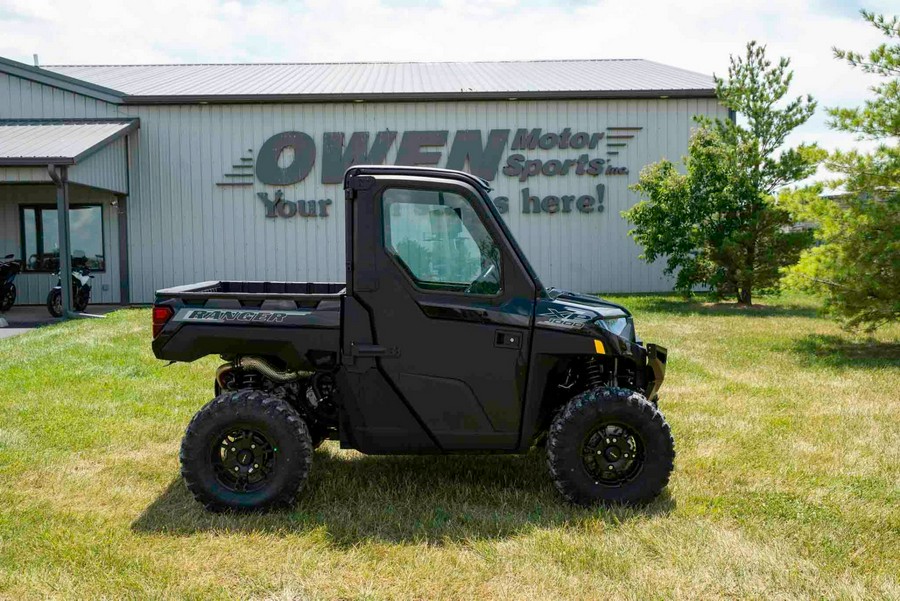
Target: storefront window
40, 237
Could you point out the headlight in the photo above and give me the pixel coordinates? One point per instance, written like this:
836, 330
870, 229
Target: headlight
620, 326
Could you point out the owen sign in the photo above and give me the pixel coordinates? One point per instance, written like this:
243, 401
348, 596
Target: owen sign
290, 157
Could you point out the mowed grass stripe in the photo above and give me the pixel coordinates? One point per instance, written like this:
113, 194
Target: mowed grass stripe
787, 482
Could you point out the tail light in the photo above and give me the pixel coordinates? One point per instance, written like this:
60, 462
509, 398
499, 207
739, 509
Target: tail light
161, 316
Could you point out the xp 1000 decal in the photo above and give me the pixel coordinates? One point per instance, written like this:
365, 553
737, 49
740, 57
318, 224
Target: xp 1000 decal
565, 318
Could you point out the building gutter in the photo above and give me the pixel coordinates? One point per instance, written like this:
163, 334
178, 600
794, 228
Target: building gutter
421, 97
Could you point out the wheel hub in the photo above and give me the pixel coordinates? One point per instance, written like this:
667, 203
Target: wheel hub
243, 459
612, 454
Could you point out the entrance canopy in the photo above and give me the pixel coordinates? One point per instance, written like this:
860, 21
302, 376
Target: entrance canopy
92, 150
89, 152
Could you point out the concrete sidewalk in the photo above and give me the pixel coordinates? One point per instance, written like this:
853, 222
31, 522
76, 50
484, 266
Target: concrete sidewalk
23, 318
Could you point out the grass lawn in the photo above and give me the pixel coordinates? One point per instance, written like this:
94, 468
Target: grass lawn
787, 482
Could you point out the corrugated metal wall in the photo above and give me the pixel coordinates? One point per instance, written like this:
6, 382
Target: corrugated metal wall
24, 175
33, 287
104, 169
23, 99
184, 228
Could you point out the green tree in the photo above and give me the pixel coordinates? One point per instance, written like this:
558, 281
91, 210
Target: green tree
856, 262
717, 223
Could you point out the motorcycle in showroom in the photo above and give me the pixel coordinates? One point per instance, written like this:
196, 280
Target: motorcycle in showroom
9, 269
81, 288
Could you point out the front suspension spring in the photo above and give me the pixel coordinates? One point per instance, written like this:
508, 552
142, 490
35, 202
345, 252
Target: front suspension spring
594, 372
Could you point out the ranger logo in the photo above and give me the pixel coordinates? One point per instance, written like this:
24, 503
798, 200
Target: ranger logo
218, 315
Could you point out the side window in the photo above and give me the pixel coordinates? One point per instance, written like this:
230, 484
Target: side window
440, 241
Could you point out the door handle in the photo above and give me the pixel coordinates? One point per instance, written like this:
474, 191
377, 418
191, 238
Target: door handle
507, 339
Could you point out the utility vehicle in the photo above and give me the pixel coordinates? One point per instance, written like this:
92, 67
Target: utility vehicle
442, 340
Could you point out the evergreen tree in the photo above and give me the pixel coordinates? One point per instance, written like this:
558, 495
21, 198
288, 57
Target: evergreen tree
717, 223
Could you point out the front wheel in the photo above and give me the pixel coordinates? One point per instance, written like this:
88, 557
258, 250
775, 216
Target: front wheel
81, 298
7, 297
54, 302
610, 446
246, 450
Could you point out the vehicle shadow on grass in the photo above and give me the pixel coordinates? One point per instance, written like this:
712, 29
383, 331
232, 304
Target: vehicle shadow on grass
838, 351
356, 498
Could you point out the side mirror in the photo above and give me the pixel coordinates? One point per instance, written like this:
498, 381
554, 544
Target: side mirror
9, 256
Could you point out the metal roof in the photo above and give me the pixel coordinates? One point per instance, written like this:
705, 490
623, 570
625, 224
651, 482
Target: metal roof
319, 82
57, 80
57, 142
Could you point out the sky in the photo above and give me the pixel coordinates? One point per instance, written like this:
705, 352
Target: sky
698, 35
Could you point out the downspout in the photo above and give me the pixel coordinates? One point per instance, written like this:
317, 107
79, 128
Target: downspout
60, 177
122, 221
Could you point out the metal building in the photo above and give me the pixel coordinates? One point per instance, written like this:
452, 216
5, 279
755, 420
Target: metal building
183, 173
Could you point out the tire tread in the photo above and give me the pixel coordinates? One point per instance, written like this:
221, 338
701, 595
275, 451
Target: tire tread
273, 408
590, 405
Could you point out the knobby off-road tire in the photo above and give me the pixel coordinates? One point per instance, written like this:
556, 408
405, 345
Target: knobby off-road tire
610, 446
246, 450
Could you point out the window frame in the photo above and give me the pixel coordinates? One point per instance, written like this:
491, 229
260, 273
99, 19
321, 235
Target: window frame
398, 261
40, 207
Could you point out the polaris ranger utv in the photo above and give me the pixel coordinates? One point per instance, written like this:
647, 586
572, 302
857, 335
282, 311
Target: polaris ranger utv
442, 340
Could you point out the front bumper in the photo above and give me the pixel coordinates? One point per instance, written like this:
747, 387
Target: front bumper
656, 367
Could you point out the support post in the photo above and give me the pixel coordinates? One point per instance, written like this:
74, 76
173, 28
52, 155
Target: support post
124, 280
60, 177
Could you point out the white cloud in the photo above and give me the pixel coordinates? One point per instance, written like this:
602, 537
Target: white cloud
697, 35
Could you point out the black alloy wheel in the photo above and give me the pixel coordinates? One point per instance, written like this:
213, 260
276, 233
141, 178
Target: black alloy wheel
610, 446
243, 458
613, 454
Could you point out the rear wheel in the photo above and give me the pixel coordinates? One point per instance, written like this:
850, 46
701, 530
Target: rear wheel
7, 297
54, 303
610, 445
246, 450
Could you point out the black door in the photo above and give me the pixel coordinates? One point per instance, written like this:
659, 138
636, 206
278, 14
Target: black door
450, 308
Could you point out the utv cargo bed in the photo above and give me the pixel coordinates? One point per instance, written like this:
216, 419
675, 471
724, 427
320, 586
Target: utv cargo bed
286, 320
